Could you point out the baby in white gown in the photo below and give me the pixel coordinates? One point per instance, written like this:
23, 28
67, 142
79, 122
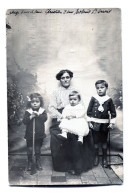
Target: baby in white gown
73, 118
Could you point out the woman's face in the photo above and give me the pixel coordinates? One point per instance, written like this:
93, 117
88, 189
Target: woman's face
65, 80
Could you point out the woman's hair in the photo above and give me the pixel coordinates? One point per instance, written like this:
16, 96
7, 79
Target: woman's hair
34, 95
75, 93
59, 74
101, 82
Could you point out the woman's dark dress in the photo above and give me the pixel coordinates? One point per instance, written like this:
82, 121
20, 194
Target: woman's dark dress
70, 155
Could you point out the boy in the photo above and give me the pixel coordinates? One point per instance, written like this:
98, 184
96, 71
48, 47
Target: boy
100, 109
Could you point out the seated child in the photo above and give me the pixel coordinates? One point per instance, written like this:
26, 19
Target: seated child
73, 118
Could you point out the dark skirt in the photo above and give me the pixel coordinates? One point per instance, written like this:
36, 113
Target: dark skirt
70, 155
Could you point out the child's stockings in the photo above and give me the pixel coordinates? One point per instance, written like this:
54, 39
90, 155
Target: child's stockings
29, 154
38, 159
104, 158
96, 160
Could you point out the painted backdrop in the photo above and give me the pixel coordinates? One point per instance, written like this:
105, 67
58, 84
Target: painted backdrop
42, 42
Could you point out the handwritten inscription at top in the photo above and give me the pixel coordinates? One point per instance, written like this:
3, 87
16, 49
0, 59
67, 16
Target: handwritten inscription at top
61, 11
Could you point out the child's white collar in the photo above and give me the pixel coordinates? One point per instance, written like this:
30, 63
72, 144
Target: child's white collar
40, 111
101, 100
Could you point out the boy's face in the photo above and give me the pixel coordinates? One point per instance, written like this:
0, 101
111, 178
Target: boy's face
101, 89
73, 100
35, 103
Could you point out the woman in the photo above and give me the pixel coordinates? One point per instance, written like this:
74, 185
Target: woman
67, 155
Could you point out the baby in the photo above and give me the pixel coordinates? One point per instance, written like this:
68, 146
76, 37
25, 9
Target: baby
73, 118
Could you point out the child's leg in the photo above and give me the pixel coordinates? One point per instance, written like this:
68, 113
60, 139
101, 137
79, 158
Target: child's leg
104, 148
80, 139
38, 145
96, 135
63, 134
29, 154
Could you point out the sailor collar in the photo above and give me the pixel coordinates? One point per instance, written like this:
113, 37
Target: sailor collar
101, 100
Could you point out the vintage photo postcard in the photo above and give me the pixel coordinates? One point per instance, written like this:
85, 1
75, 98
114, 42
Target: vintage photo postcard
64, 92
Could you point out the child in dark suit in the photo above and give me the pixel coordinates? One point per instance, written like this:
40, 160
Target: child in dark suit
35, 111
100, 109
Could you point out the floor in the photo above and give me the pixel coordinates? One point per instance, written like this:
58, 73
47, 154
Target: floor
18, 175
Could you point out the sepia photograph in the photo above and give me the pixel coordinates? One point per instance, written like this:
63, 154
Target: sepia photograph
64, 97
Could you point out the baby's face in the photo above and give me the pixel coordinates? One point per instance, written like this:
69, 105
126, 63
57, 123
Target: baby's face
73, 100
101, 89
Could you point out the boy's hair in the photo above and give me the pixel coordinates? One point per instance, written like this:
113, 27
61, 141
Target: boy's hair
75, 93
35, 95
100, 82
59, 74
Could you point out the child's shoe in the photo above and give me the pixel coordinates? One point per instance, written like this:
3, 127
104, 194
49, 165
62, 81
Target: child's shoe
38, 165
62, 136
29, 166
104, 162
78, 172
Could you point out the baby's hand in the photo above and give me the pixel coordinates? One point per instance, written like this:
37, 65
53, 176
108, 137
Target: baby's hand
70, 117
59, 119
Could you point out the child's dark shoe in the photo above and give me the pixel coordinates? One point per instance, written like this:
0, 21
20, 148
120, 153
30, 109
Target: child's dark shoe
29, 166
78, 172
72, 172
38, 165
104, 162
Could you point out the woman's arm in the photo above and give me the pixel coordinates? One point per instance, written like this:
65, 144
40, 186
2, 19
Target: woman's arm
53, 106
90, 107
89, 112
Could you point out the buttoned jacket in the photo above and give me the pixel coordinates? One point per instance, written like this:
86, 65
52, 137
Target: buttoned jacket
108, 113
39, 124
